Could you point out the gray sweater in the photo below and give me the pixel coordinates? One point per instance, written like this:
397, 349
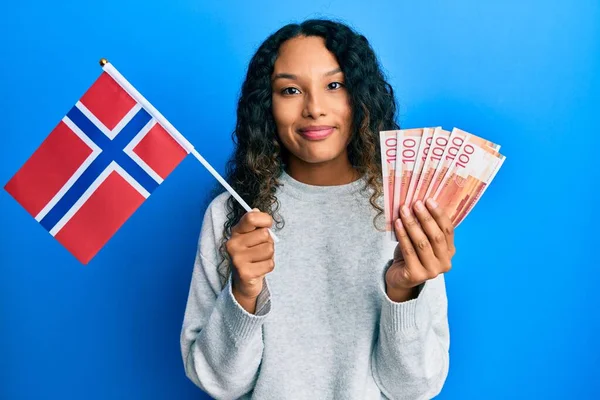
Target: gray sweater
324, 326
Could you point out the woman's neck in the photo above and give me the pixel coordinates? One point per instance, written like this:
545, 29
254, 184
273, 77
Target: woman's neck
331, 173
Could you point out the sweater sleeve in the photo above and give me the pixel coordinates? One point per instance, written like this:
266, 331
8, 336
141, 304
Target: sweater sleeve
221, 343
411, 356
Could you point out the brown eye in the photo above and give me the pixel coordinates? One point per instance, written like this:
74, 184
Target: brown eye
335, 85
290, 91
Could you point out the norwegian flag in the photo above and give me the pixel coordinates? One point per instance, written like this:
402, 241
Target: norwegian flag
98, 165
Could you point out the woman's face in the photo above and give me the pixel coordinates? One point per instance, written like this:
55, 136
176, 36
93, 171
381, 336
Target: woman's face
310, 102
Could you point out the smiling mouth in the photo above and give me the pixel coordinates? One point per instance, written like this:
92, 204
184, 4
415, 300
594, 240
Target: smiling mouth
316, 132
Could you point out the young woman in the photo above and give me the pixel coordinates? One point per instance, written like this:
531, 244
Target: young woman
334, 310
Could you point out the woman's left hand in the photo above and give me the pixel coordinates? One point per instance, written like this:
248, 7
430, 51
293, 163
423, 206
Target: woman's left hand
425, 249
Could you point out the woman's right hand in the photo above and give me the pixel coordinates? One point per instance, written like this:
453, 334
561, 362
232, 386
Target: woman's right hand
252, 252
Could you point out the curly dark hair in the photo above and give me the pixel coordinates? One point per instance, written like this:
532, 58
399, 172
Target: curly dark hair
259, 157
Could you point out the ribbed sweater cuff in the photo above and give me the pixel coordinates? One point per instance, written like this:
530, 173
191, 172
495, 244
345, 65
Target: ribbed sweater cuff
408, 317
242, 324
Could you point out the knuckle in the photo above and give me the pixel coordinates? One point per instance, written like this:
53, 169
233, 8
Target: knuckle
449, 229
448, 266
403, 234
244, 275
252, 218
267, 251
427, 218
229, 246
411, 222
439, 238
264, 233
410, 251
423, 244
237, 262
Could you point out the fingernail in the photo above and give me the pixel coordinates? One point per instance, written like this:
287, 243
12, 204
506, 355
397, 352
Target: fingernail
405, 211
432, 203
399, 225
419, 205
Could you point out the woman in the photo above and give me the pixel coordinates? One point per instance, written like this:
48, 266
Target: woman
334, 310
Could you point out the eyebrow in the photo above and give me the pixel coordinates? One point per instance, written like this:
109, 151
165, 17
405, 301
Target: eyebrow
294, 77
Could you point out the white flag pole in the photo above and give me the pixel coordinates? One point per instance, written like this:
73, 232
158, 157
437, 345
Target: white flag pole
137, 96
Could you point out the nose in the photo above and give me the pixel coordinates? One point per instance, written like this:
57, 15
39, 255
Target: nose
314, 105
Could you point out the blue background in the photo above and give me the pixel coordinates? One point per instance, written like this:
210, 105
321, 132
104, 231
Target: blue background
524, 289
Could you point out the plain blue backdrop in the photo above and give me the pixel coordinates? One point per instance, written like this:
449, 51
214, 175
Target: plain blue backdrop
524, 290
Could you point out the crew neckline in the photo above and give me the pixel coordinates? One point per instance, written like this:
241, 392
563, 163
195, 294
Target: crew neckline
304, 191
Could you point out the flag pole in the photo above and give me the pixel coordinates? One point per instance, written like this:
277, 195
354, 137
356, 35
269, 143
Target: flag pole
108, 68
